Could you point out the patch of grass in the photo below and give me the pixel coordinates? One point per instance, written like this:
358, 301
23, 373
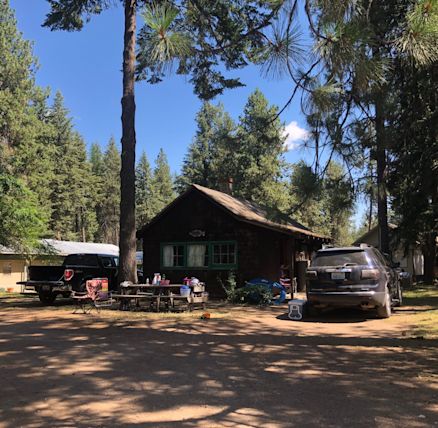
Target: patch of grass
5, 295
425, 319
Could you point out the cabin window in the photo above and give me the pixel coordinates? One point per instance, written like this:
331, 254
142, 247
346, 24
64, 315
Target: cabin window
199, 255
224, 254
173, 255
7, 269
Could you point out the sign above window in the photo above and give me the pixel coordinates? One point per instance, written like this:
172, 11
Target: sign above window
197, 233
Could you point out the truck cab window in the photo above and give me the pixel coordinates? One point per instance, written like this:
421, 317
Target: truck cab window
107, 262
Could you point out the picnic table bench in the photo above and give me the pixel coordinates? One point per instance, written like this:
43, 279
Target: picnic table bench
158, 293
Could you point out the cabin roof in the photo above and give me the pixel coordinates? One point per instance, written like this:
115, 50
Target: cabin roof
245, 210
64, 248
363, 238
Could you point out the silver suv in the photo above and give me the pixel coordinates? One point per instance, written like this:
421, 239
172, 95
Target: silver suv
353, 276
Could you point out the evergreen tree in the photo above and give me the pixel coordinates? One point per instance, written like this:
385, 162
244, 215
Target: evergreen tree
22, 218
109, 200
350, 86
22, 221
200, 164
17, 69
162, 184
97, 187
96, 160
413, 174
338, 203
324, 205
257, 160
143, 192
72, 216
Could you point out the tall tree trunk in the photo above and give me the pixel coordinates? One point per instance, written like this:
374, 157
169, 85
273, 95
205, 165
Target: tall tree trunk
382, 198
370, 212
429, 253
127, 240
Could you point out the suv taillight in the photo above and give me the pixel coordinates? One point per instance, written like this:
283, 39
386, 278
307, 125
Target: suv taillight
370, 274
68, 274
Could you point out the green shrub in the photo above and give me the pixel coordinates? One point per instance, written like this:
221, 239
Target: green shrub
254, 295
230, 286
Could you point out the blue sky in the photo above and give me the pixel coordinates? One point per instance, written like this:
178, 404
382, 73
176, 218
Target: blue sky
86, 67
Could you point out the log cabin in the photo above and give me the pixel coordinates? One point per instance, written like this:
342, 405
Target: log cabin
206, 233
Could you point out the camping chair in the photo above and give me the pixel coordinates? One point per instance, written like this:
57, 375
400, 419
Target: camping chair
95, 296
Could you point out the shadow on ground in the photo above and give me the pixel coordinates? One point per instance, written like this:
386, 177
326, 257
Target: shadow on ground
86, 370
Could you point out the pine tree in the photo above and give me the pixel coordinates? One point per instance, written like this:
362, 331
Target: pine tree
109, 208
22, 213
22, 221
201, 161
72, 216
162, 183
413, 178
359, 45
143, 192
257, 154
338, 202
324, 205
96, 160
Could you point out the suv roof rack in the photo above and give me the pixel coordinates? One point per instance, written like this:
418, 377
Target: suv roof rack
364, 245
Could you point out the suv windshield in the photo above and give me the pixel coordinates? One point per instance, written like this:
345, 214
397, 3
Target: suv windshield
340, 258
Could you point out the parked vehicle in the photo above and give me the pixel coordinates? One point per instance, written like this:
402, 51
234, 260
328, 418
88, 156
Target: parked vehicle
353, 276
51, 281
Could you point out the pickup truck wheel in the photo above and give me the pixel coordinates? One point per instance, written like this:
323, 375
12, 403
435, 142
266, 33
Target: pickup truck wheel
385, 310
47, 297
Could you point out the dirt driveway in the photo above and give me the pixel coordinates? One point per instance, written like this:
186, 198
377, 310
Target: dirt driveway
242, 368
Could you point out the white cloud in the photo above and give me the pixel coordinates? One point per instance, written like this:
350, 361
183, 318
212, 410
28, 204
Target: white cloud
294, 135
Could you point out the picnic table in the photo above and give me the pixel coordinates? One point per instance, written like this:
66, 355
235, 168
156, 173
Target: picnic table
159, 293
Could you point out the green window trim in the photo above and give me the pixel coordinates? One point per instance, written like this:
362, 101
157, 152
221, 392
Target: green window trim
210, 245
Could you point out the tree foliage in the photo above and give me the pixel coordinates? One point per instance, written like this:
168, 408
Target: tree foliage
258, 149
72, 216
144, 192
250, 153
203, 164
413, 178
22, 219
162, 183
350, 90
324, 205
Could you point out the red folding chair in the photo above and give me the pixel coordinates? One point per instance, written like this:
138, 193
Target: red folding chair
96, 296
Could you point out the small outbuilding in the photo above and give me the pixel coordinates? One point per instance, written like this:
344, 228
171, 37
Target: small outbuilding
207, 234
14, 264
410, 257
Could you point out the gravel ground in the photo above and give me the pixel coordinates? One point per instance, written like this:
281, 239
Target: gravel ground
244, 367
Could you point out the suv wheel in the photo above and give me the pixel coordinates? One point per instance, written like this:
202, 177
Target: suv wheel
312, 311
385, 310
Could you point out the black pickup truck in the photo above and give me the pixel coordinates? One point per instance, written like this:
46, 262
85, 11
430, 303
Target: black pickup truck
51, 281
